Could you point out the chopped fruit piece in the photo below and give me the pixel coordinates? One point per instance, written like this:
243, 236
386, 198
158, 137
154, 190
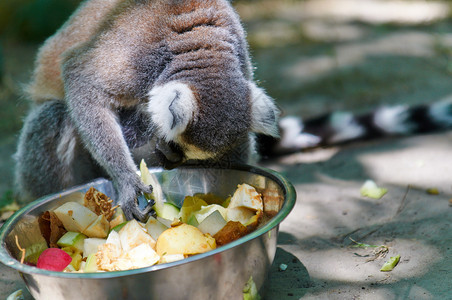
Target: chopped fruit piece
154, 227
32, 252
205, 211
98, 229
91, 245
212, 223
72, 239
99, 203
184, 239
240, 214
54, 259
74, 216
371, 190
132, 235
191, 204
230, 232
246, 196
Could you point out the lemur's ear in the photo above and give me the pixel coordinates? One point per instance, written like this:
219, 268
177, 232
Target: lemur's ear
171, 106
264, 113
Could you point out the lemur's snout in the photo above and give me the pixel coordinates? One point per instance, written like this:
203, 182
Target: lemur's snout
169, 154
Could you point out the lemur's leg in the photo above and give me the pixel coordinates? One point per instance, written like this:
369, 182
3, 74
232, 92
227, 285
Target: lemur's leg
50, 156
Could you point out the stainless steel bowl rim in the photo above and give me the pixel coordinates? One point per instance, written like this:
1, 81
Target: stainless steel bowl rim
290, 197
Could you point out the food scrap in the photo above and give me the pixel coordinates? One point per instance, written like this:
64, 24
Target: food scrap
432, 191
250, 290
282, 267
96, 237
371, 190
17, 295
99, 203
390, 264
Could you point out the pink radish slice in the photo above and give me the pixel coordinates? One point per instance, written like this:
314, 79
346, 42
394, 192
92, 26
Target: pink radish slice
53, 259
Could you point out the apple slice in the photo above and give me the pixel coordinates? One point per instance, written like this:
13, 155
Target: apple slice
53, 259
240, 214
141, 256
246, 196
74, 216
132, 235
99, 228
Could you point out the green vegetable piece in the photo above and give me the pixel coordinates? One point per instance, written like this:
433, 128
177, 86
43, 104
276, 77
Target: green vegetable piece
32, 252
151, 179
72, 239
91, 264
390, 264
118, 227
193, 221
226, 202
250, 290
361, 245
371, 190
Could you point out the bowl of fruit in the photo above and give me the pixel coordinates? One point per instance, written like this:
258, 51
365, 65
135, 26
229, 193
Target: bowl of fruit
213, 236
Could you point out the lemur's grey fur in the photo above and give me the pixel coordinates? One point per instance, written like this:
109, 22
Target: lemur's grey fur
173, 77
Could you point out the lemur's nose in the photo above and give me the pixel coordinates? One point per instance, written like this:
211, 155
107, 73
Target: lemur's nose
169, 154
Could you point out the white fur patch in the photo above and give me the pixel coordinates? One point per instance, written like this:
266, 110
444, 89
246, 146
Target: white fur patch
393, 120
264, 112
345, 126
441, 112
172, 106
292, 137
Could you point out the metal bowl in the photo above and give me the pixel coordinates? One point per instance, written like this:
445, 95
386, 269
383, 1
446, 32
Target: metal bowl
217, 274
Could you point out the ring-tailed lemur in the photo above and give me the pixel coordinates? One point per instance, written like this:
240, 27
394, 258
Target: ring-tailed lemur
176, 72
169, 81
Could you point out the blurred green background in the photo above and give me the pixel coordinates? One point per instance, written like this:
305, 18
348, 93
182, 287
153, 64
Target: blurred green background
312, 56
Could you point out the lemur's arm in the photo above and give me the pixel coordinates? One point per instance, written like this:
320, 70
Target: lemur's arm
97, 124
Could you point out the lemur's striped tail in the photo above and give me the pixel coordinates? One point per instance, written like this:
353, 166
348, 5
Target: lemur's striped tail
342, 127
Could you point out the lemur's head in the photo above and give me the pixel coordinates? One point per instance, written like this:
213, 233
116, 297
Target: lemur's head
204, 122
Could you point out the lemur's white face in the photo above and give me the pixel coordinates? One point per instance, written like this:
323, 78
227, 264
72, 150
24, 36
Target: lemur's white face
173, 108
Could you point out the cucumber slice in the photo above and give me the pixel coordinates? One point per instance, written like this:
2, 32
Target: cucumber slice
169, 211
72, 239
150, 179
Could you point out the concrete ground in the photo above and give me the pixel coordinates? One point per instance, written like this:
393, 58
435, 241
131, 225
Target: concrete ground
316, 239
315, 56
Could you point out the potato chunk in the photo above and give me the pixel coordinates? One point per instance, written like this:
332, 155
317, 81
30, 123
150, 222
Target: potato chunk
184, 239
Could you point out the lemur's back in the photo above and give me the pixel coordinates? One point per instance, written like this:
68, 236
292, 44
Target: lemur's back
47, 83
150, 18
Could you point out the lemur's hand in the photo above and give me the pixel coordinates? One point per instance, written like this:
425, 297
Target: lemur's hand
128, 192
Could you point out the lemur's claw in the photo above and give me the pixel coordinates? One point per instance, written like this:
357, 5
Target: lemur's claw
142, 214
